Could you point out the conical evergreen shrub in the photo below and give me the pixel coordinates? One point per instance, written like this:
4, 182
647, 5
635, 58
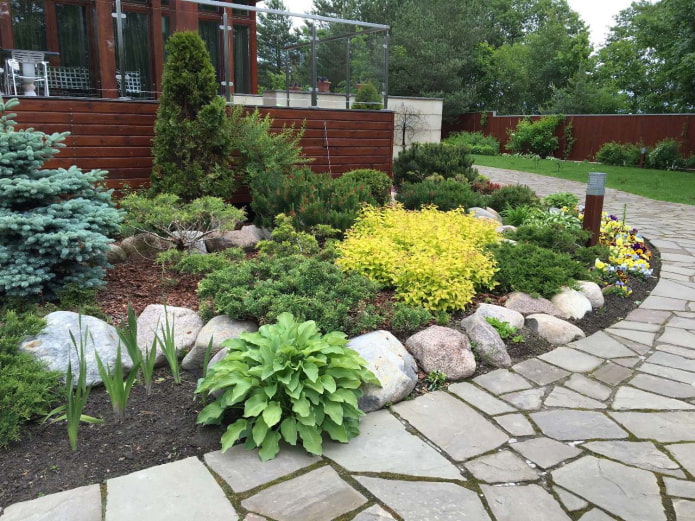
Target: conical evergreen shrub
192, 144
54, 223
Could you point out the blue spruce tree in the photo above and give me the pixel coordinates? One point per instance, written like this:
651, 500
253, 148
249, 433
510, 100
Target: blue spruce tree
54, 224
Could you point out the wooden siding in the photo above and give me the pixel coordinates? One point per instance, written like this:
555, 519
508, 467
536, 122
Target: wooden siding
592, 131
117, 135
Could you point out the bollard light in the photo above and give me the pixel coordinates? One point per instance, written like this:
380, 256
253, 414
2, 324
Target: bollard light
593, 207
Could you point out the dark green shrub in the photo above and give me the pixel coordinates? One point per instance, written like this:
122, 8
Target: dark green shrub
512, 196
561, 200
538, 271
286, 240
407, 319
445, 195
193, 135
666, 155
262, 288
378, 182
27, 390
193, 262
478, 142
423, 160
292, 383
368, 98
553, 236
55, 224
535, 137
620, 154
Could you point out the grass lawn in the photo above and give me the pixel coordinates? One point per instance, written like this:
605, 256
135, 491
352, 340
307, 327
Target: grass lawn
674, 187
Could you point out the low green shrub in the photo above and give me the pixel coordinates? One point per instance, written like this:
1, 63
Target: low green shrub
505, 330
535, 137
556, 237
560, 200
263, 287
407, 319
367, 98
421, 160
620, 154
478, 142
289, 382
538, 271
512, 196
193, 262
445, 195
666, 155
378, 182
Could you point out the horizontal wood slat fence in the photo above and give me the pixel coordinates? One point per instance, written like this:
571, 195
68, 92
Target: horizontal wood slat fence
117, 136
592, 131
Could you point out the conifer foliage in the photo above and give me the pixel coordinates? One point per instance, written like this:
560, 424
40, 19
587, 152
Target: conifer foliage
192, 144
54, 223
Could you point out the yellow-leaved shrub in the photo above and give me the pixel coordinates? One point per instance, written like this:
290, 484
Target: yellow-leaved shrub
431, 258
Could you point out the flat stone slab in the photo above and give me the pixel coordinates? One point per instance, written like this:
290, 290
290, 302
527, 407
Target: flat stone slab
571, 360
306, 497
419, 500
373, 513
629, 493
501, 467
243, 470
381, 446
685, 454
668, 288
596, 515
545, 452
480, 399
612, 374
649, 316
567, 424
452, 425
671, 360
643, 337
631, 398
664, 303
601, 345
529, 400
637, 326
502, 381
182, 490
563, 397
79, 504
569, 500
524, 503
642, 454
659, 426
680, 488
515, 424
682, 322
588, 387
540, 372
685, 377
685, 510
677, 350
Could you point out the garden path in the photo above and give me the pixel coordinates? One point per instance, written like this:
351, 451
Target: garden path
600, 429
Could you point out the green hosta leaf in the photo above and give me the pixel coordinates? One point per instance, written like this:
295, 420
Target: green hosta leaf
313, 396
302, 407
259, 430
239, 392
272, 413
339, 372
288, 428
334, 411
234, 431
270, 389
344, 395
294, 381
285, 320
328, 383
255, 405
314, 386
311, 438
270, 446
211, 414
305, 332
311, 371
370, 378
336, 432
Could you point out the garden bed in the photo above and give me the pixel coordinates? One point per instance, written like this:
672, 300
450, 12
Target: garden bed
162, 428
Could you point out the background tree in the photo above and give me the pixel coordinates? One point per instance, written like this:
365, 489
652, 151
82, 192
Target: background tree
274, 34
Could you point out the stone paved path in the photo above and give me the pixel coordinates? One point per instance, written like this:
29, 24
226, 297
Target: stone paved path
600, 429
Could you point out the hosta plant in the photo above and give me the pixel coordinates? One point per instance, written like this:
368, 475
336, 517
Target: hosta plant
289, 382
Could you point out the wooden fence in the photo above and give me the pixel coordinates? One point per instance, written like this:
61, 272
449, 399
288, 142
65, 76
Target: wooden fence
116, 135
592, 131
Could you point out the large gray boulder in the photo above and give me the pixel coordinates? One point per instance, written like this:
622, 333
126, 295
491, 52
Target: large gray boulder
593, 292
116, 254
527, 305
219, 329
246, 238
442, 349
185, 322
54, 347
554, 330
485, 213
571, 303
144, 245
511, 317
486, 341
391, 363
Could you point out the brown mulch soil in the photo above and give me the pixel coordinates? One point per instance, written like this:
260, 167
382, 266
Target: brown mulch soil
161, 428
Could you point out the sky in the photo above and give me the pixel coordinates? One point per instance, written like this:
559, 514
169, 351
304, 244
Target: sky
598, 14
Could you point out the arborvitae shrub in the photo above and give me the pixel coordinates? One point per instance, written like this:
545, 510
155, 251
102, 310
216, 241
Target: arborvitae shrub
445, 195
368, 98
54, 223
193, 136
423, 160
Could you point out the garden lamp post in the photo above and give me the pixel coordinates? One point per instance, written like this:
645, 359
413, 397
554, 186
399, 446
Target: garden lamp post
593, 207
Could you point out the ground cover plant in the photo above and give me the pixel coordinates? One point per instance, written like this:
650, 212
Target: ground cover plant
662, 185
478, 142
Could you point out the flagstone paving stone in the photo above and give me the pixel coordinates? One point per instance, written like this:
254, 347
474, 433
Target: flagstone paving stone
671, 360
501, 467
452, 425
540, 372
502, 381
628, 362
668, 372
612, 374
319, 495
588, 387
545, 452
373, 513
643, 337
685, 510
658, 426
642, 454
668, 288
630, 493
685, 454
480, 399
529, 400
680, 488
602, 345
515, 424
649, 316
677, 350
568, 424
629, 398
664, 303
380, 446
79, 504
571, 360
596, 515
682, 322
637, 326
677, 336
563, 397
416, 500
523, 503
569, 500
